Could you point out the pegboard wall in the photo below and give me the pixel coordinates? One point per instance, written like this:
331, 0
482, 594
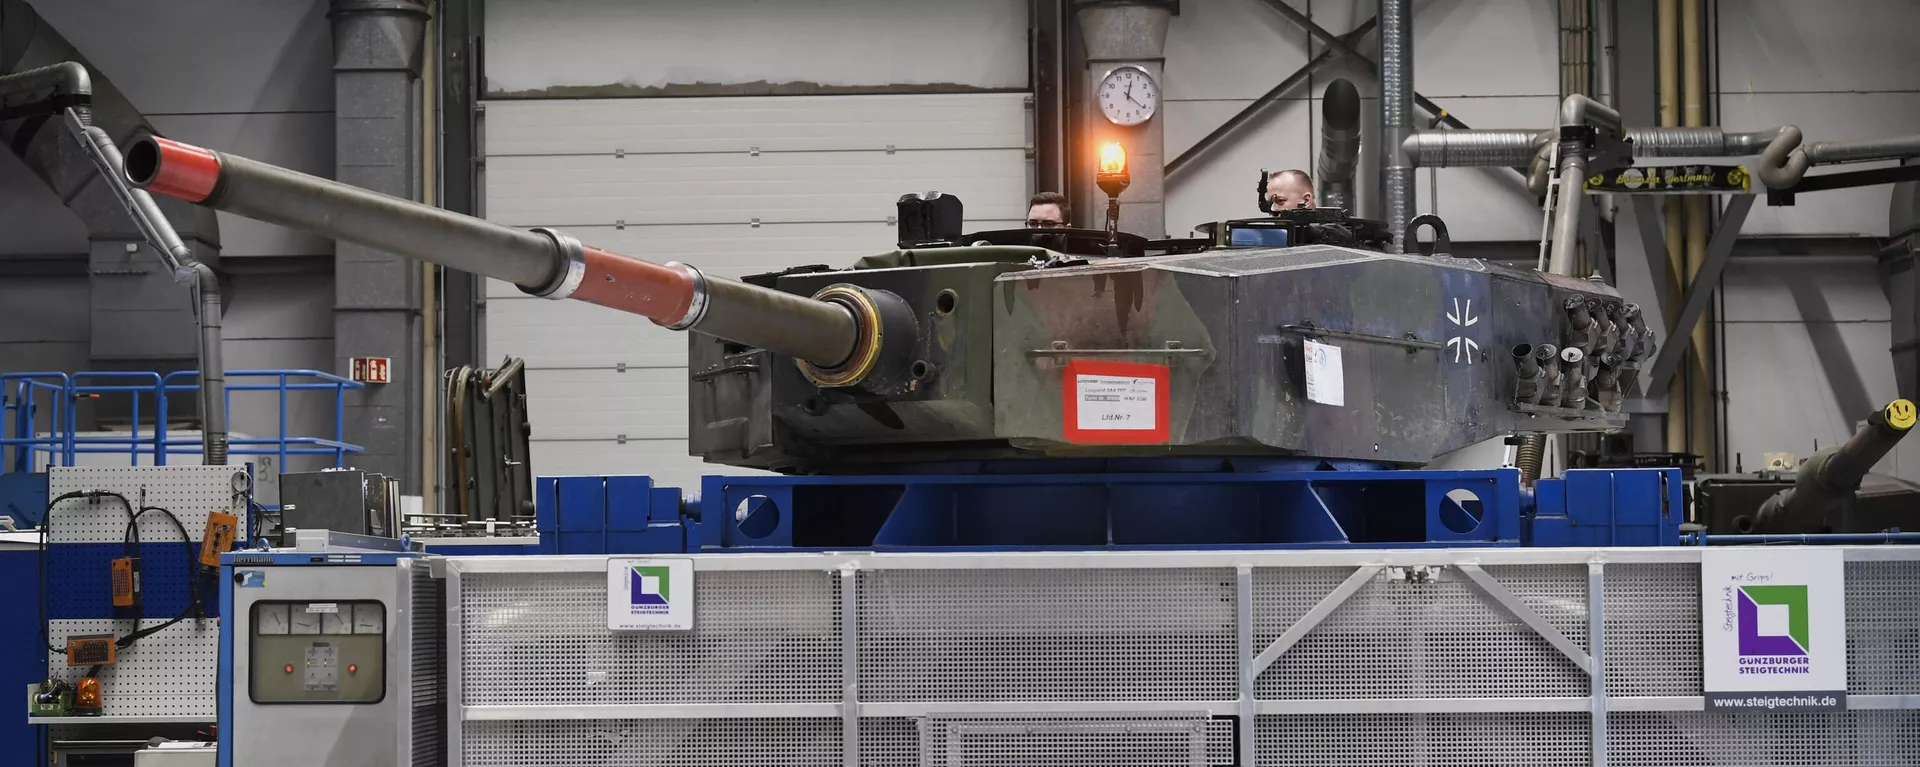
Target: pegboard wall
171, 673
86, 534
190, 492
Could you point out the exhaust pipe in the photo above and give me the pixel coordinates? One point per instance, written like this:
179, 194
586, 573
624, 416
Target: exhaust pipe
1339, 143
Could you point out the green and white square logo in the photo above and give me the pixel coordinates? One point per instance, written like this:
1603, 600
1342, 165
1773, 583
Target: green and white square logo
649, 594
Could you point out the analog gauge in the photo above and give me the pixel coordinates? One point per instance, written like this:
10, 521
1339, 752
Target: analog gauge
1128, 96
337, 622
369, 618
272, 619
305, 622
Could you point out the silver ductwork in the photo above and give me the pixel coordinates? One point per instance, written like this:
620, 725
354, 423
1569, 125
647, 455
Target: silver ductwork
1577, 110
1339, 144
1396, 116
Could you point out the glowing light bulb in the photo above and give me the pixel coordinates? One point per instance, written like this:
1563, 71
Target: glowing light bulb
1113, 158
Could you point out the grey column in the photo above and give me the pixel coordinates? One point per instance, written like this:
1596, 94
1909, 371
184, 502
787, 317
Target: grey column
376, 64
1116, 34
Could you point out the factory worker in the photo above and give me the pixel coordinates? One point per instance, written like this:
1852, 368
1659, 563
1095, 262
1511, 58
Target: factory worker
1047, 210
1290, 189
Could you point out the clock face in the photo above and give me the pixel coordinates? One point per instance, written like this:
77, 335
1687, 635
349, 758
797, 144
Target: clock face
1128, 96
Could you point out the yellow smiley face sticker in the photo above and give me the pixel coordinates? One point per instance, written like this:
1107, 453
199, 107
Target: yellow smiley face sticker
1901, 414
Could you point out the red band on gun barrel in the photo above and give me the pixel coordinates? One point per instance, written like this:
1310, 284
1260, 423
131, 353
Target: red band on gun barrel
184, 171
658, 292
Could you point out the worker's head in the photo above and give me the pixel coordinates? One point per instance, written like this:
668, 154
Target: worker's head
1047, 210
1290, 189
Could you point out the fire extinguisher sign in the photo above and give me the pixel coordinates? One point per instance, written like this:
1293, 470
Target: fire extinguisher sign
373, 370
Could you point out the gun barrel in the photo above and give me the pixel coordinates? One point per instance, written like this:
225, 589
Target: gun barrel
1832, 475
541, 262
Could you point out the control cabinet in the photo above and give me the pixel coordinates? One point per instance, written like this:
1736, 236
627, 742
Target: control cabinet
330, 661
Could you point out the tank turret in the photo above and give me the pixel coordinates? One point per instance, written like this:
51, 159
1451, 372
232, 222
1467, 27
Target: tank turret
1023, 345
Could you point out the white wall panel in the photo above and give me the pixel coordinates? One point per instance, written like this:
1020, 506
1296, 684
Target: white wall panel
688, 188
626, 48
643, 403
660, 126
786, 187
1794, 46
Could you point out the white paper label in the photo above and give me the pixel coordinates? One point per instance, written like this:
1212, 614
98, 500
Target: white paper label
649, 594
1326, 381
323, 607
1115, 402
1774, 629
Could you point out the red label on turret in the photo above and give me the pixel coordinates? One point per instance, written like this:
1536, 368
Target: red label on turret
1115, 403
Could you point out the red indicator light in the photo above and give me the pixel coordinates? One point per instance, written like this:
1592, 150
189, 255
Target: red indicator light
353, 669
289, 668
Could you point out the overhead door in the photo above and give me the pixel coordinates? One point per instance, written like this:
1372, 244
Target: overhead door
734, 185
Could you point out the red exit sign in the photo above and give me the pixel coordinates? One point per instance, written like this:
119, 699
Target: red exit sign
373, 370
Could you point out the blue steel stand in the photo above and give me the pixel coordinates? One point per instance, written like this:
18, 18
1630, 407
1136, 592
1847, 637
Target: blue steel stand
1202, 510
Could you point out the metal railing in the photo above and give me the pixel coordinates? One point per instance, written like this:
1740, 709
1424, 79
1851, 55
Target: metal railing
27, 448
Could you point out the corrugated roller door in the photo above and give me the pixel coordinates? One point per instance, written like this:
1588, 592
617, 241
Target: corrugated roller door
736, 186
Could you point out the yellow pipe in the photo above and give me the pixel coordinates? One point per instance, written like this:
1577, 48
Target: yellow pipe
1669, 65
429, 296
1693, 115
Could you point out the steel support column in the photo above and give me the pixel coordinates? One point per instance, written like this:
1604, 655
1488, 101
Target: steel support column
376, 64
1706, 283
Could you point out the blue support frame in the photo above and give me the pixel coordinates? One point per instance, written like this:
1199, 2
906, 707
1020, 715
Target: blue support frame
1112, 511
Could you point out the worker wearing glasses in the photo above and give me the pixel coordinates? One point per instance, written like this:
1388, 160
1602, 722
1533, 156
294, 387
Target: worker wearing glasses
1048, 210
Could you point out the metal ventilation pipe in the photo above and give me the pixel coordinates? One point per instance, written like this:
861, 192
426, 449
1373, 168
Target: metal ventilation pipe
1396, 116
1576, 110
1339, 143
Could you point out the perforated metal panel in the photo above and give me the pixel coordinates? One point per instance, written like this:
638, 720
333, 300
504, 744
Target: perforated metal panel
190, 492
1402, 638
758, 637
1452, 740
678, 742
1094, 741
1883, 645
170, 673
1703, 739
1092, 634
1377, 658
1653, 629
